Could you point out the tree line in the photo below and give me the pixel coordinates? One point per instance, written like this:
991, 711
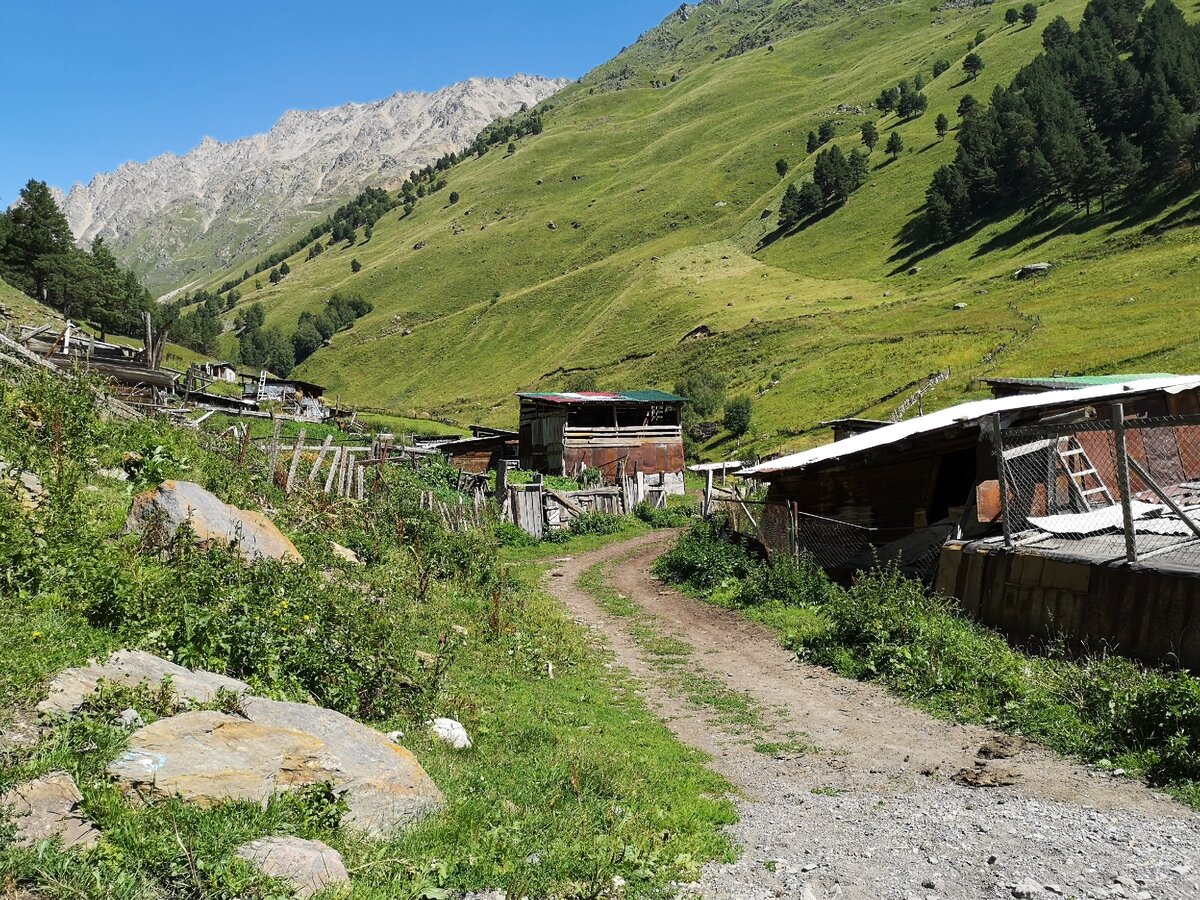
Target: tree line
1102, 112
38, 257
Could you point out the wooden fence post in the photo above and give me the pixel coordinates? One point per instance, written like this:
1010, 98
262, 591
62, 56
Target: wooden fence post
273, 450
333, 469
1002, 478
312, 475
297, 451
1122, 451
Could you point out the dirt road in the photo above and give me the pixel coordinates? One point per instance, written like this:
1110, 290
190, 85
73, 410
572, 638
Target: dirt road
848, 792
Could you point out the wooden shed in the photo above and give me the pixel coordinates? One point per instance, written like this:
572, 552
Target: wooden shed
565, 433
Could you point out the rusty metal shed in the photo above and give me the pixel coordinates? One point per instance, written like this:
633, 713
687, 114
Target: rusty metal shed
565, 433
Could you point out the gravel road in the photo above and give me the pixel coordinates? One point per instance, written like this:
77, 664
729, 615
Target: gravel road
874, 810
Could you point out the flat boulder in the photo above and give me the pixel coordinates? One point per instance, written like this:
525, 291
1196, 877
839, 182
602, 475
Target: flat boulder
175, 503
71, 688
1033, 270
307, 867
209, 758
49, 807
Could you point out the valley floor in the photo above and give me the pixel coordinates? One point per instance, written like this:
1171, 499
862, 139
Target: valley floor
848, 792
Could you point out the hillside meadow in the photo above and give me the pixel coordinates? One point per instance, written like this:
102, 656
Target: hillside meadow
643, 213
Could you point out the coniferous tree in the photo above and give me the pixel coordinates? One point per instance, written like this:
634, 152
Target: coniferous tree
1029, 13
285, 269
895, 144
814, 143
870, 135
940, 66
887, 100
826, 131
355, 266
275, 277
790, 212
781, 166
973, 65
941, 125
1057, 35
1011, 16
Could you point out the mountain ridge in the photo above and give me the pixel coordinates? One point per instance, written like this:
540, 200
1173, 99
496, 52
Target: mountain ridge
178, 217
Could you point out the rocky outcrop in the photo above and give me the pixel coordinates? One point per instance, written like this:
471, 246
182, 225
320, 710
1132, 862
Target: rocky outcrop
49, 807
210, 758
174, 503
307, 867
177, 218
268, 747
71, 688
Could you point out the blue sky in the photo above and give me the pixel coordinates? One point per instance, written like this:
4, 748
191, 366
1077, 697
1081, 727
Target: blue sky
86, 86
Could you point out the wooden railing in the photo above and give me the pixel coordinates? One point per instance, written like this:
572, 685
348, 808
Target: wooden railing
576, 436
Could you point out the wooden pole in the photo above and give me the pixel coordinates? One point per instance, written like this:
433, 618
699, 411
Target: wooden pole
708, 492
312, 475
1122, 451
297, 452
274, 449
333, 469
1002, 477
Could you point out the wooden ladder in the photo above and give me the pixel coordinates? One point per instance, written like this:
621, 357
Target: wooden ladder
1079, 468
262, 384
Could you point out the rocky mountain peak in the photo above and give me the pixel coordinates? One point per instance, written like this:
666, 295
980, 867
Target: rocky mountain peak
176, 219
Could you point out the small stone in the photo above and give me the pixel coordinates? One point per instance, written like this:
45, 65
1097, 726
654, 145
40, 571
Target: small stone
451, 732
307, 867
131, 719
396, 737
345, 554
1026, 889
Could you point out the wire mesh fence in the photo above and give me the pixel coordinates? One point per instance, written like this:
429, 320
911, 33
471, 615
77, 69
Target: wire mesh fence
1101, 489
783, 528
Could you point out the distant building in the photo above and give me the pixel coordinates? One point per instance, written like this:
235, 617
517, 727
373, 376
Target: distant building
615, 433
219, 371
295, 397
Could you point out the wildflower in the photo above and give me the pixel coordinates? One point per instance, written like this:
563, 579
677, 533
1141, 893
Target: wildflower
37, 635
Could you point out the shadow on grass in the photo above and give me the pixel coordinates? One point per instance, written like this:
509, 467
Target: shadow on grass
781, 232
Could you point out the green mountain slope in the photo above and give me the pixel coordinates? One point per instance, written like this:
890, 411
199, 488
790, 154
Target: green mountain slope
643, 213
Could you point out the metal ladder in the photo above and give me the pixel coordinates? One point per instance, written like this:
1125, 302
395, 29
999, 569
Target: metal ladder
1079, 468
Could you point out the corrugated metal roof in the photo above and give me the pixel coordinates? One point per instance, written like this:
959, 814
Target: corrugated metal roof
1082, 380
604, 397
965, 414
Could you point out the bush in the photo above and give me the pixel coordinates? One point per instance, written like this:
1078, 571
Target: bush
738, 413
705, 558
669, 517
786, 581
597, 523
510, 534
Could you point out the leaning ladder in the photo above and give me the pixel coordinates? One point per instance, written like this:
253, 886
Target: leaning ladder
262, 385
1079, 468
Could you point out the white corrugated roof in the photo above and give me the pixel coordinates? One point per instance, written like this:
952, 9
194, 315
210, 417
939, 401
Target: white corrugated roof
967, 413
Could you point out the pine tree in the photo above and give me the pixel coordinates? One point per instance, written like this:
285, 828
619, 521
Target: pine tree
454, 198
887, 100
1057, 35
1029, 13
940, 66
967, 106
790, 212
895, 144
814, 144
39, 241
826, 132
870, 135
355, 266
941, 124
275, 277
781, 166
1011, 16
285, 269
973, 65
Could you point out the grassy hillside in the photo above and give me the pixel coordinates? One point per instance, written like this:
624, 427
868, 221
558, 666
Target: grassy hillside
642, 213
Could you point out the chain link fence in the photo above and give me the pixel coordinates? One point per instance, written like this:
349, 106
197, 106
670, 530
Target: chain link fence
1101, 489
785, 529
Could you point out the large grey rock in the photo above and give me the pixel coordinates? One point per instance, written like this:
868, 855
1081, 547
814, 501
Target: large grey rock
72, 687
307, 867
174, 503
49, 807
209, 758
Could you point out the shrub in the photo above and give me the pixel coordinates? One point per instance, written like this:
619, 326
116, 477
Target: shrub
510, 534
738, 413
787, 581
704, 557
669, 517
597, 523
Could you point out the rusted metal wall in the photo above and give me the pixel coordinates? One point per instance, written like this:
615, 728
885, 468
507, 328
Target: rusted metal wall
649, 457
